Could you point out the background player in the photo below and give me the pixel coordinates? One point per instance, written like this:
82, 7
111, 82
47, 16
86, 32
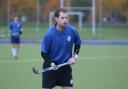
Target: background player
15, 29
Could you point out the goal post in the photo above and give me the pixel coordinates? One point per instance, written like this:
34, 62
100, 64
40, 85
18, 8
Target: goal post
77, 13
78, 10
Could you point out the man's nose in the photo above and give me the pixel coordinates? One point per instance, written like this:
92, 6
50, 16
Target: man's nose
65, 19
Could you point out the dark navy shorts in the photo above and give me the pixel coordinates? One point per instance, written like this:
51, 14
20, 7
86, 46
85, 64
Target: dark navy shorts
15, 39
61, 77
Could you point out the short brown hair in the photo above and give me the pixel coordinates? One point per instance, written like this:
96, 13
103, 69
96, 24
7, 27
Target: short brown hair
57, 12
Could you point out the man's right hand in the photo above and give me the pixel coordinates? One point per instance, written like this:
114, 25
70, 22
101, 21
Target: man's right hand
20, 32
55, 66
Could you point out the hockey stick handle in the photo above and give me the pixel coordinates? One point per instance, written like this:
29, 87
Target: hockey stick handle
63, 64
39, 71
52, 68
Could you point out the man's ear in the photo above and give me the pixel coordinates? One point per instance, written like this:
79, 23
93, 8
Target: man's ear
56, 18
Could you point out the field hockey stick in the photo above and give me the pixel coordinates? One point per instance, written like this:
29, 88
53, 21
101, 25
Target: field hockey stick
40, 71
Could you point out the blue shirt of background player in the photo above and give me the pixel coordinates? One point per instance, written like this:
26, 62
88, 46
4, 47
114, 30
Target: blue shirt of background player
15, 27
59, 44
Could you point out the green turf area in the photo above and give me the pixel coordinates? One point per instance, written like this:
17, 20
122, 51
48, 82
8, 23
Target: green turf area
30, 32
98, 67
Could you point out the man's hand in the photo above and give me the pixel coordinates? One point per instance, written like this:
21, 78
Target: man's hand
55, 66
72, 60
21, 31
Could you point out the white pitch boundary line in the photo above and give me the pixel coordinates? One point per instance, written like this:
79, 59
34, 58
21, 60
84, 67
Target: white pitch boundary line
104, 57
20, 61
83, 58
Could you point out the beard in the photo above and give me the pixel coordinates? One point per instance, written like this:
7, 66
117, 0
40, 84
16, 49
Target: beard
61, 26
64, 25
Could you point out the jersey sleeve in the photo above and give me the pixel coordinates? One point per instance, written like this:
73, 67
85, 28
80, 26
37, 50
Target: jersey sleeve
45, 43
20, 26
77, 38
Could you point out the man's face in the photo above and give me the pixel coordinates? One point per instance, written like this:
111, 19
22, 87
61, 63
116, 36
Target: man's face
62, 20
15, 18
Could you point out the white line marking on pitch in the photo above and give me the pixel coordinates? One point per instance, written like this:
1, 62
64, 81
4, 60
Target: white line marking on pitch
20, 61
40, 60
105, 57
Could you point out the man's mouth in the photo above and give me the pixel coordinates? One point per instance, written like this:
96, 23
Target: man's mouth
65, 23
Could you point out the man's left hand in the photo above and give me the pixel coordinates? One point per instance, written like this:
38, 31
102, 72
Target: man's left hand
72, 60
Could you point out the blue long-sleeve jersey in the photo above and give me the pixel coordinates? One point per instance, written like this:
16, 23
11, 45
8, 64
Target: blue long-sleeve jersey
59, 44
15, 28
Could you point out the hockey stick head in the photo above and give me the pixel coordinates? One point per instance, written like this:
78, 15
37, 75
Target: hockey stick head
35, 70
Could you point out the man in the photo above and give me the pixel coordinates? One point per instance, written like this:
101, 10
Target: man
56, 49
15, 29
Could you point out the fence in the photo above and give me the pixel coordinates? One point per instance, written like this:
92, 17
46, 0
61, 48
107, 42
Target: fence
95, 20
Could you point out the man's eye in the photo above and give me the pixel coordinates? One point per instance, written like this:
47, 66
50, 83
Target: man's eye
64, 17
